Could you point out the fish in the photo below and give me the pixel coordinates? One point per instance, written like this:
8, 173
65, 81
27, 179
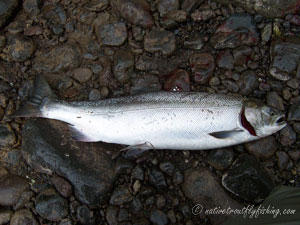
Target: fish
158, 120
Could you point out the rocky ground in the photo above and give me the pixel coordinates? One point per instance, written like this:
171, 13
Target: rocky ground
97, 49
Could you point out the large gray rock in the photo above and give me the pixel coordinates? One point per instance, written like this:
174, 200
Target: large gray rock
267, 8
48, 147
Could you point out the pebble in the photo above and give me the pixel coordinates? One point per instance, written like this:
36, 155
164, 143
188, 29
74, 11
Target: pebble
202, 15
123, 66
112, 34
136, 12
112, 215
160, 41
7, 136
137, 173
242, 55
82, 74
263, 148
231, 85
158, 217
5, 216
98, 5
274, 100
282, 160
94, 95
164, 6
266, 33
177, 177
177, 80
57, 60
146, 63
51, 206
157, 179
202, 67
246, 172
195, 42
287, 136
33, 30
220, 159
146, 83
7, 10
171, 215
24, 200
239, 29
225, 59
86, 166
294, 155
11, 189
20, 48
84, 215
123, 166
294, 112
23, 217
202, 187
32, 7
248, 82
62, 186
178, 16
214, 81
120, 196
167, 167
285, 56
190, 5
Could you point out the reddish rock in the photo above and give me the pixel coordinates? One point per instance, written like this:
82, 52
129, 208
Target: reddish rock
202, 66
178, 80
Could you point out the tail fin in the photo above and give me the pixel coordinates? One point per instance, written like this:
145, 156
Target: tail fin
31, 108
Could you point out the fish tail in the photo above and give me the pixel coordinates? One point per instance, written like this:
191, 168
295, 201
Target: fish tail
32, 107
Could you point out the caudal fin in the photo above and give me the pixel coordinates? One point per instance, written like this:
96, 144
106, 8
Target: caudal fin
31, 108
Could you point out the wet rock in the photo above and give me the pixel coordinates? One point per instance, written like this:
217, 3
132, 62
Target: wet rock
267, 8
294, 155
97, 5
82, 74
123, 166
11, 189
274, 100
178, 80
62, 186
164, 6
136, 12
239, 29
247, 172
248, 82
57, 60
15, 28
177, 177
202, 67
157, 179
23, 217
195, 42
168, 24
285, 56
32, 7
225, 60
120, 196
123, 66
112, 34
146, 83
167, 167
7, 136
7, 9
190, 5
242, 55
266, 32
112, 215
5, 216
20, 48
178, 16
51, 206
123, 215
263, 148
287, 136
138, 173
202, 15
33, 30
84, 215
231, 85
282, 160
94, 95
158, 217
47, 147
220, 159
24, 200
294, 112
202, 187
160, 41
146, 63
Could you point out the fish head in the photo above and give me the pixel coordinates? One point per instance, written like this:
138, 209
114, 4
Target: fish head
260, 119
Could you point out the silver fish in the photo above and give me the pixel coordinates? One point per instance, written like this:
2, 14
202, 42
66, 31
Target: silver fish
162, 120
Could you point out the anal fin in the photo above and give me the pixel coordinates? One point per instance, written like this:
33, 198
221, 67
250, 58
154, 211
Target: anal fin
134, 151
225, 134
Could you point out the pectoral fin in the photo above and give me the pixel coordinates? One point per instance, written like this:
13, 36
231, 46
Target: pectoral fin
225, 134
134, 151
